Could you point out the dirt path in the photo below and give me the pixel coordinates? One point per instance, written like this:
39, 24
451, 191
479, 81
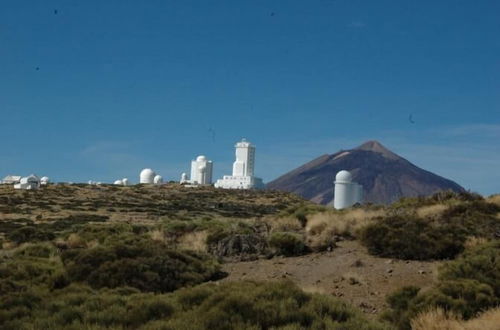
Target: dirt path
348, 272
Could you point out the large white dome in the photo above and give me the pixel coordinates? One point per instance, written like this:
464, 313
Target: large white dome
147, 176
343, 176
118, 182
201, 158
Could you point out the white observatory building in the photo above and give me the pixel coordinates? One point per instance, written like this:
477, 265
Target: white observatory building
158, 179
147, 176
44, 180
31, 182
201, 171
243, 169
347, 193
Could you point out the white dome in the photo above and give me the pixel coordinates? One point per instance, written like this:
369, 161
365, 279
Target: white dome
45, 180
118, 182
125, 181
147, 176
158, 179
343, 176
201, 158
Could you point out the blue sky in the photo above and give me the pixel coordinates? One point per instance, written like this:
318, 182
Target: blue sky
101, 89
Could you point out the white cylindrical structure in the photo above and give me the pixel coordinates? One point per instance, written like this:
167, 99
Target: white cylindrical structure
158, 179
147, 176
125, 181
184, 178
201, 171
343, 195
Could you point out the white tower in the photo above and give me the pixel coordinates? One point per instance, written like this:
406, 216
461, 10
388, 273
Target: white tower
245, 159
201, 170
147, 176
347, 193
125, 181
243, 169
184, 178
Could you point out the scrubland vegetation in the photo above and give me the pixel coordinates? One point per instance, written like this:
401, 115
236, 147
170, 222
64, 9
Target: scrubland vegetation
130, 257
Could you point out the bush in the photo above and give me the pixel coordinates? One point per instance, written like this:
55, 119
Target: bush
251, 305
466, 287
412, 238
142, 264
232, 305
30, 234
287, 244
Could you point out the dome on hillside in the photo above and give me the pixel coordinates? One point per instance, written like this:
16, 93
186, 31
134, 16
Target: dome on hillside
158, 179
147, 176
343, 176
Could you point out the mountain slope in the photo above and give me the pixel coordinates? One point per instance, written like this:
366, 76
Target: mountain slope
385, 176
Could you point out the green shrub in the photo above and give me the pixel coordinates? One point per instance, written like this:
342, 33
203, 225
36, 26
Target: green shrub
251, 305
30, 234
481, 263
287, 244
466, 287
232, 305
412, 238
140, 263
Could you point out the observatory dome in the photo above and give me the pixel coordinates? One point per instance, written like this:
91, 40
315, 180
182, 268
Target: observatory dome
343, 176
158, 179
125, 181
44, 180
147, 176
201, 158
118, 182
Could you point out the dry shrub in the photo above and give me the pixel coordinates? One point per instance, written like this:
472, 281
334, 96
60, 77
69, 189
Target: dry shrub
431, 211
285, 224
473, 241
323, 229
75, 241
157, 235
353, 278
440, 320
194, 241
495, 199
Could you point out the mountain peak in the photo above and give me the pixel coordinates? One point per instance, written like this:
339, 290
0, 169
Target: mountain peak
377, 147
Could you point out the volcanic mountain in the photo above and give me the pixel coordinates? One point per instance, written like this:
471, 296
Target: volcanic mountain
385, 176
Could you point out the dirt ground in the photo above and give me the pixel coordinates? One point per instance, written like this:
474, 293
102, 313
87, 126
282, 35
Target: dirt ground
347, 272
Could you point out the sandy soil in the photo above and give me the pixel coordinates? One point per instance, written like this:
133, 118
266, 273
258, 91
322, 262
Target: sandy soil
348, 272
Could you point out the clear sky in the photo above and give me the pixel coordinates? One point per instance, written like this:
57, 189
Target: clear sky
100, 89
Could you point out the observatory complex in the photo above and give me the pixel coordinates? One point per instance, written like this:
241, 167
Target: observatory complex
243, 170
347, 193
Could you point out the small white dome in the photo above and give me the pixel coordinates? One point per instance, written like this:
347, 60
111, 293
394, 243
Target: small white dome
147, 176
158, 179
201, 158
118, 182
343, 176
125, 181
